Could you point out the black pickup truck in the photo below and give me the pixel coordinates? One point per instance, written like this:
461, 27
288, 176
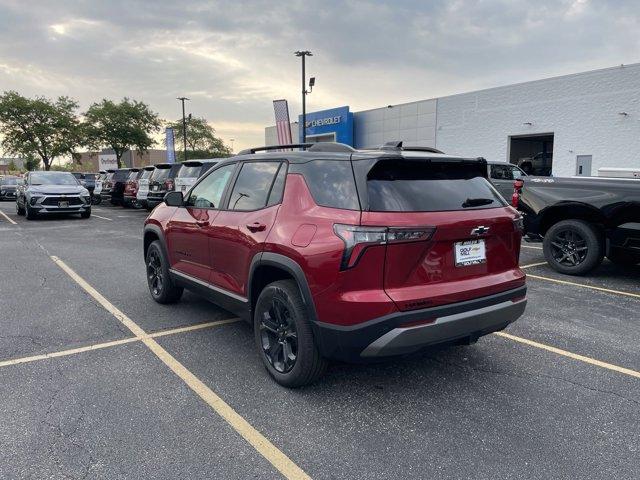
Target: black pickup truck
580, 220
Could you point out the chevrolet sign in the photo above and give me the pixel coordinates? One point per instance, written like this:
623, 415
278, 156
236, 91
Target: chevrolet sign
324, 121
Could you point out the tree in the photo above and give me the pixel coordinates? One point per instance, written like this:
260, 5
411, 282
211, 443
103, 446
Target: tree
31, 163
201, 140
12, 166
39, 127
121, 126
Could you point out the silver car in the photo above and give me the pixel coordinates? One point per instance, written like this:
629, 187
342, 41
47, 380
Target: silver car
52, 192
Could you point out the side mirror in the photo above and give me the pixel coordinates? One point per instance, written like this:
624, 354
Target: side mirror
174, 199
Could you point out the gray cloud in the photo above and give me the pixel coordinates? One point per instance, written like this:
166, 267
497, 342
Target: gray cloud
233, 57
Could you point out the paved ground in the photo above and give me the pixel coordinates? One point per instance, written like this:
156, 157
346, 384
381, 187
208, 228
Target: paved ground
498, 409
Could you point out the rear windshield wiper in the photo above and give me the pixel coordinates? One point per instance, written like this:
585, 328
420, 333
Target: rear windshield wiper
476, 202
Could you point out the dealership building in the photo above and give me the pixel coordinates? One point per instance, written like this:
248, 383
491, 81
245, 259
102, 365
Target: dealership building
568, 125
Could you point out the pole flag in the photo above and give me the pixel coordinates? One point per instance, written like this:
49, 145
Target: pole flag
283, 125
171, 151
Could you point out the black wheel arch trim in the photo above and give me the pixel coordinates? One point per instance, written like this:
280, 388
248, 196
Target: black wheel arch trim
292, 268
157, 231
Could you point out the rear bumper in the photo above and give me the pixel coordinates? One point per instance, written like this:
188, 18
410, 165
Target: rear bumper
460, 322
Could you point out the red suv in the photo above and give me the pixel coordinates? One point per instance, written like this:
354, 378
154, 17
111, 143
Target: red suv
334, 253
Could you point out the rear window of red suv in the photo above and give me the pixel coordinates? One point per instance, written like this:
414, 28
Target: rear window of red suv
330, 182
428, 186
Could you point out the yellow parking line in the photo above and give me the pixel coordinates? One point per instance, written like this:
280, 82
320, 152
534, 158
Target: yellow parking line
64, 353
7, 217
575, 356
533, 265
99, 346
258, 441
591, 287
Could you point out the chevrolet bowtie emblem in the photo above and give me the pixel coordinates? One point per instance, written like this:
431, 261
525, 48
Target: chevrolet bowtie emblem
481, 230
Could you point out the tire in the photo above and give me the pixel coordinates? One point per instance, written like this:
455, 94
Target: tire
96, 200
156, 263
573, 247
280, 324
19, 210
85, 214
31, 214
623, 259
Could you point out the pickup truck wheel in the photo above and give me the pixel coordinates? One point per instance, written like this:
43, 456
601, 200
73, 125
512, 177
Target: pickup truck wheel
284, 338
161, 287
573, 247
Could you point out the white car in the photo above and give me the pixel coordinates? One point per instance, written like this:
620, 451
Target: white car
190, 172
143, 185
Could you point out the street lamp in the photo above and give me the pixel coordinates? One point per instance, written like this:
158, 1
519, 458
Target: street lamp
232, 140
304, 54
184, 126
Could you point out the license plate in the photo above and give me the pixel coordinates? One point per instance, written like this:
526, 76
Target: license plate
63, 204
154, 188
470, 252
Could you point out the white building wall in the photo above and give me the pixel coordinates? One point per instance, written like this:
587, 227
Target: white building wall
414, 123
271, 134
581, 110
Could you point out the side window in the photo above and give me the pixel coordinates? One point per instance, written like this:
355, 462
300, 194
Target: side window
208, 193
253, 185
516, 173
277, 189
501, 172
331, 183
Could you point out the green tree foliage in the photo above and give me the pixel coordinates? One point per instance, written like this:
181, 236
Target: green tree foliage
39, 127
201, 140
12, 166
121, 126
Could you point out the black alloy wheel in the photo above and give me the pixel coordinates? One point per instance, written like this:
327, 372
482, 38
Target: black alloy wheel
568, 247
155, 274
283, 336
279, 336
573, 247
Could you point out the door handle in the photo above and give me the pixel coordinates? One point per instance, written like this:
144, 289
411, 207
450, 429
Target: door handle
256, 227
202, 223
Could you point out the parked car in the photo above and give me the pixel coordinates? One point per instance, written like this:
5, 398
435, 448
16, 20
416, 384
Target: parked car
96, 199
502, 175
8, 186
107, 185
580, 220
143, 186
192, 170
113, 188
539, 164
162, 181
131, 188
52, 192
333, 253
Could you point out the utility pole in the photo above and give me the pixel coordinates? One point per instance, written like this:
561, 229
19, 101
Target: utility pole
304, 54
184, 127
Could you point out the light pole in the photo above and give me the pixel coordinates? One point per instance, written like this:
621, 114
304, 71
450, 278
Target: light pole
304, 54
184, 127
232, 140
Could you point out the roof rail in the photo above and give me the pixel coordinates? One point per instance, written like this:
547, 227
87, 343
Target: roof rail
331, 147
398, 146
274, 147
311, 147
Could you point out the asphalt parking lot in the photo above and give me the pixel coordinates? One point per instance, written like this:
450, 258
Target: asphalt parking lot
98, 381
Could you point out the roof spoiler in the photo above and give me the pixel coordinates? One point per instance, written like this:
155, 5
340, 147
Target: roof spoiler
397, 146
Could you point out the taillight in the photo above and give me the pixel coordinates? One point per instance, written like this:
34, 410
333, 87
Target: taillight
357, 239
168, 184
517, 189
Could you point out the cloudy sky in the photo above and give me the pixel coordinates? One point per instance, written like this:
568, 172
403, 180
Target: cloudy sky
233, 57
